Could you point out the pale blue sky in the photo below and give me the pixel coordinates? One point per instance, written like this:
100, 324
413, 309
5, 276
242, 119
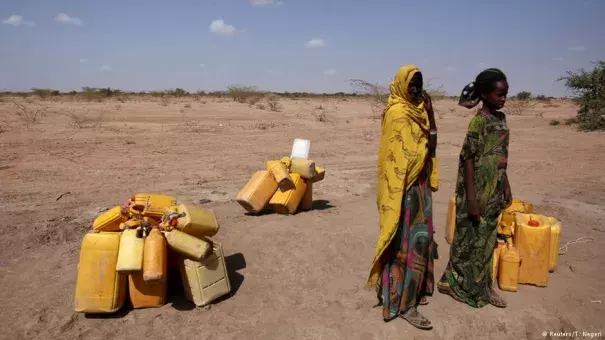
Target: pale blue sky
294, 45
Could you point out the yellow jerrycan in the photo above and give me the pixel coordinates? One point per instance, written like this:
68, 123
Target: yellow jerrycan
255, 195
151, 205
130, 256
306, 203
320, 174
498, 249
281, 174
286, 202
508, 269
111, 219
532, 239
197, 221
304, 167
450, 226
155, 257
506, 225
187, 245
99, 287
205, 281
555, 243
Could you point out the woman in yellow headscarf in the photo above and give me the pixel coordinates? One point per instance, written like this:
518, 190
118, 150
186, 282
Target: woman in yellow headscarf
402, 270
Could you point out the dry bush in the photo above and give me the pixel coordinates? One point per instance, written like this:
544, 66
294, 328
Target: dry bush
437, 92
321, 116
253, 100
273, 103
30, 113
376, 94
518, 107
261, 106
265, 125
187, 106
85, 120
242, 93
321, 112
367, 136
45, 93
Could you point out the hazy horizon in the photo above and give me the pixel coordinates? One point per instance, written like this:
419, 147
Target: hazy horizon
293, 46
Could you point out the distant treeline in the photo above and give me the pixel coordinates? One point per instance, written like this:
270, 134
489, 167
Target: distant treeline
108, 92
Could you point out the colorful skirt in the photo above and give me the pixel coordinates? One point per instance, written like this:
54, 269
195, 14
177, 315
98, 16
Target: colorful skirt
408, 272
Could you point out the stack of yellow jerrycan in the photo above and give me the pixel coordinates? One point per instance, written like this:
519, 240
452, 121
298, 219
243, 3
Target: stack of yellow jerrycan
126, 254
538, 239
285, 186
527, 248
531, 250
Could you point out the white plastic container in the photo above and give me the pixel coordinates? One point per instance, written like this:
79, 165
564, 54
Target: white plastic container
301, 148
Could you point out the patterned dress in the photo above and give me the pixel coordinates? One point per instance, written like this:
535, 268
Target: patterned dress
408, 272
468, 272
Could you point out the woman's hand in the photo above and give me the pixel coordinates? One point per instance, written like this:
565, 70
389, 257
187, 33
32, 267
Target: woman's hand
432, 143
472, 208
428, 103
508, 195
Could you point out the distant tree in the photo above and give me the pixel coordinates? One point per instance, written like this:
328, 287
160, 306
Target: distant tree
589, 89
523, 95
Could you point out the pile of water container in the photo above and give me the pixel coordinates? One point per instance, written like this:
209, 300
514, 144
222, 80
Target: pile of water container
285, 186
527, 249
127, 252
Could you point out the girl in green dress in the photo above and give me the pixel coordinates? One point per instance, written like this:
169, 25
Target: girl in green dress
482, 192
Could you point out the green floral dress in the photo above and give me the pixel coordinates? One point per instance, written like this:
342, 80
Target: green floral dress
468, 272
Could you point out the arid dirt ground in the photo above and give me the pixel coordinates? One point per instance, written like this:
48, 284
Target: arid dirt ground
293, 277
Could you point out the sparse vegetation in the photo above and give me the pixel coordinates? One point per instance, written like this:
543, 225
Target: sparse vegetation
45, 93
589, 88
29, 113
571, 121
242, 93
253, 100
523, 95
517, 107
274, 104
555, 123
378, 95
85, 119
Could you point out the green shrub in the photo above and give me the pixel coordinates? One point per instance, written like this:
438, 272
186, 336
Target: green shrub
571, 121
242, 93
523, 95
589, 88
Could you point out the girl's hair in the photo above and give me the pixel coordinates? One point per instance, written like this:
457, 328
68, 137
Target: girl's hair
484, 83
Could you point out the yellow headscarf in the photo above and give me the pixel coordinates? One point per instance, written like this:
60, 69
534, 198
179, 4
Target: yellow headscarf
402, 155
